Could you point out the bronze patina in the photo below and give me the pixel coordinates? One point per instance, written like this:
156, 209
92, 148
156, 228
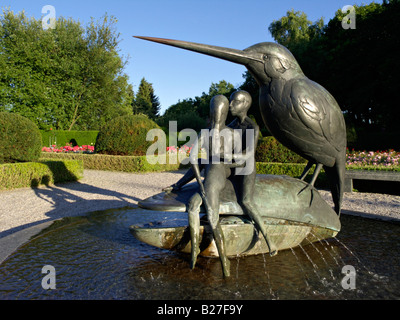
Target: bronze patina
249, 213
300, 113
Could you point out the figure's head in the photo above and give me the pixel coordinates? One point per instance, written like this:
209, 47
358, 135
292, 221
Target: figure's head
219, 107
240, 103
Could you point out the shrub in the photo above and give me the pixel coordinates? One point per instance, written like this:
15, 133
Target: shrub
33, 174
270, 150
188, 119
125, 136
292, 170
62, 138
20, 139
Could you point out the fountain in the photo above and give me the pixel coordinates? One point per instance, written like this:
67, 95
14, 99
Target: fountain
279, 213
320, 257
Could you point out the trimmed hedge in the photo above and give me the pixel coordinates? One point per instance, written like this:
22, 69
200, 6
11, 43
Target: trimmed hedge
290, 169
62, 138
293, 170
33, 174
125, 136
137, 164
270, 150
140, 164
20, 139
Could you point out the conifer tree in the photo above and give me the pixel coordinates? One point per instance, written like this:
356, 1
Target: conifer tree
146, 102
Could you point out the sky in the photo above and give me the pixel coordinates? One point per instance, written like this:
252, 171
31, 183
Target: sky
178, 74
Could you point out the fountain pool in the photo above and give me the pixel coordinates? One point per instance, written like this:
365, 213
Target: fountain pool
96, 257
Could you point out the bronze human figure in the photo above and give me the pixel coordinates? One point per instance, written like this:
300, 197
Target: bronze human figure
300, 113
216, 173
240, 103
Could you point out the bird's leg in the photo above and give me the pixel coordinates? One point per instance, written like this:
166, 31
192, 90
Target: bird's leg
312, 182
306, 170
316, 173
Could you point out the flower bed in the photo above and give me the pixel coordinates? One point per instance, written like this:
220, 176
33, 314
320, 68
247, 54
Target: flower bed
373, 159
68, 149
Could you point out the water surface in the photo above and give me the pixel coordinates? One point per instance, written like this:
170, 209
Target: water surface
96, 257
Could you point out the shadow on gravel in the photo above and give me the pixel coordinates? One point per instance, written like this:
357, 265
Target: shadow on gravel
66, 204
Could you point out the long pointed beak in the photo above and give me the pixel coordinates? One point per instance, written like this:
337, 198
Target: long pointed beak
232, 55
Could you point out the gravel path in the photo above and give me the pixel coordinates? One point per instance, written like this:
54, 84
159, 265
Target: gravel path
100, 190
369, 205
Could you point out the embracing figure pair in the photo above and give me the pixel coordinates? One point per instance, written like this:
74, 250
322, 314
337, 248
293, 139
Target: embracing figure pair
224, 163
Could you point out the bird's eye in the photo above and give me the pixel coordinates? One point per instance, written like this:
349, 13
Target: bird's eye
265, 57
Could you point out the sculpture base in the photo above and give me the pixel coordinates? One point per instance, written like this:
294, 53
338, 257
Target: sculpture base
293, 214
241, 238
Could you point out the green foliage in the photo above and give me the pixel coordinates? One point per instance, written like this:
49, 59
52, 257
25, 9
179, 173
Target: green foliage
146, 102
373, 168
137, 164
62, 138
270, 150
33, 174
185, 118
360, 67
194, 113
292, 170
368, 57
295, 29
69, 77
20, 139
125, 135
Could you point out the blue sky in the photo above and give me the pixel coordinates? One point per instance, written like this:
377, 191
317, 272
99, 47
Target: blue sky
175, 73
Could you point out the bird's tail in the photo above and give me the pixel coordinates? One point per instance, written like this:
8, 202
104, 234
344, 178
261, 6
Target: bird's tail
335, 176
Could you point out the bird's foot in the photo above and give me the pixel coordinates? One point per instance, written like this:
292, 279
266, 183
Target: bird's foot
308, 187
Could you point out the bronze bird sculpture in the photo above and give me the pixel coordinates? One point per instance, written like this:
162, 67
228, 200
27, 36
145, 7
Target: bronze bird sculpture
299, 112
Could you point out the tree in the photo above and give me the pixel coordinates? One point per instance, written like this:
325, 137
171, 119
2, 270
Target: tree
146, 102
185, 114
67, 77
194, 112
294, 29
358, 66
363, 65
202, 105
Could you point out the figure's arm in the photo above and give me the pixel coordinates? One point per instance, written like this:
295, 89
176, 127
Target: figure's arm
189, 176
195, 162
195, 168
240, 159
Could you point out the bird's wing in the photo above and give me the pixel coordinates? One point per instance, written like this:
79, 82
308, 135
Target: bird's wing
318, 111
